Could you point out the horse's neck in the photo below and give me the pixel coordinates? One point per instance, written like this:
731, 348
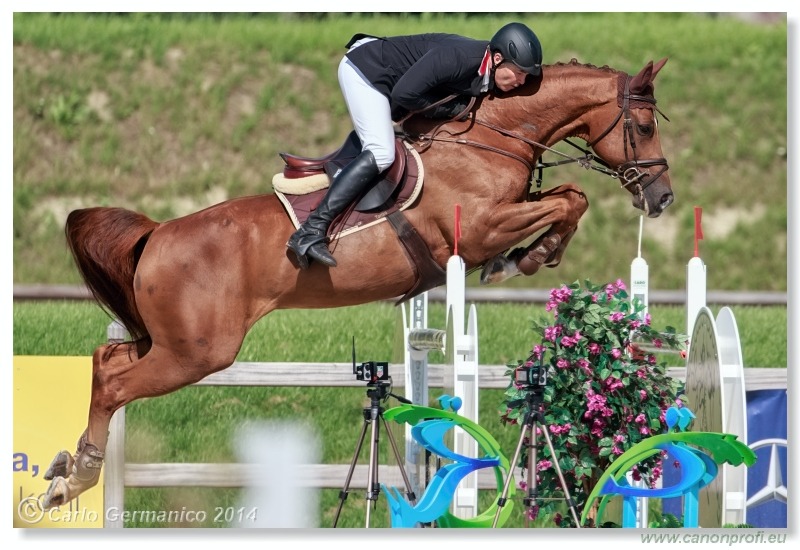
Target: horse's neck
557, 109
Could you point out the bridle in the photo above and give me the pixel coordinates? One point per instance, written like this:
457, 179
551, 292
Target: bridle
629, 172
632, 173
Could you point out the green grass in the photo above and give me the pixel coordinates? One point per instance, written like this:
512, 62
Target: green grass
196, 424
169, 113
76, 328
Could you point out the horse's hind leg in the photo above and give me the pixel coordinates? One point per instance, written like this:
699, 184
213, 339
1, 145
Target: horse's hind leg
71, 475
118, 377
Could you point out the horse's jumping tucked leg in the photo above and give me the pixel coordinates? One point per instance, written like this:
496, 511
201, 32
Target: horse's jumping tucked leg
566, 205
545, 251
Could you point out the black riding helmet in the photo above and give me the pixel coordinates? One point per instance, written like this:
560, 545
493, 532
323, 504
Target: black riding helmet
519, 45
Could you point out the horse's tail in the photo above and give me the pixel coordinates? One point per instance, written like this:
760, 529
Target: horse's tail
106, 244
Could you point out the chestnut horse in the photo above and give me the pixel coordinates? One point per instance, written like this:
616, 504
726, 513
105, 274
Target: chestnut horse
188, 290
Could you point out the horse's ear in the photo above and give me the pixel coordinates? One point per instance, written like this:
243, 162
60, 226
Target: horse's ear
642, 81
657, 67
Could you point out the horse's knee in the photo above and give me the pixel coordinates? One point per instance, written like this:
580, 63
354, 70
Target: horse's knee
578, 200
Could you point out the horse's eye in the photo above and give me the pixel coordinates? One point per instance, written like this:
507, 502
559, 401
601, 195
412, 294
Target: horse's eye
645, 129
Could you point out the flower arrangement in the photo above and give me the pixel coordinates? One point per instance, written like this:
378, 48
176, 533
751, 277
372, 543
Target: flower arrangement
603, 393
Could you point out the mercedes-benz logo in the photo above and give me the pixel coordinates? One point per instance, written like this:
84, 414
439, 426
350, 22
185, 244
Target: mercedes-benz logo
774, 487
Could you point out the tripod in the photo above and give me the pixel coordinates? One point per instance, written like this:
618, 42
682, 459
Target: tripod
377, 391
535, 415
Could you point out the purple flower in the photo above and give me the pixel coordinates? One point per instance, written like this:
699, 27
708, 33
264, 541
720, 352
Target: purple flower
562, 363
562, 294
597, 427
616, 353
555, 429
553, 332
594, 348
616, 317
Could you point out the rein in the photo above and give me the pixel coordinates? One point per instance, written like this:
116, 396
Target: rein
628, 173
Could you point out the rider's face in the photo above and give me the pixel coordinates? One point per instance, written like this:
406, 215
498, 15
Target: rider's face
508, 76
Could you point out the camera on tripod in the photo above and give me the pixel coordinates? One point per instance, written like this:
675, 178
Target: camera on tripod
531, 375
371, 371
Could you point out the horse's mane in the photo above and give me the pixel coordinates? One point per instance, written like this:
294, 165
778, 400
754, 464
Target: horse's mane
574, 63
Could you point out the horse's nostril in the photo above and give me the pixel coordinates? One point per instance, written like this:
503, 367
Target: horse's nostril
666, 200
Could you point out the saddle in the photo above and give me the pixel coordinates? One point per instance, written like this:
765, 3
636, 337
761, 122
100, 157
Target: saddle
304, 180
303, 167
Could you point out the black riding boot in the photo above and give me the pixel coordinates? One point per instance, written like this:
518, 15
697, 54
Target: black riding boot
309, 240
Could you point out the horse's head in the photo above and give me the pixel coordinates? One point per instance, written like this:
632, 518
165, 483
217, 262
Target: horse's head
630, 145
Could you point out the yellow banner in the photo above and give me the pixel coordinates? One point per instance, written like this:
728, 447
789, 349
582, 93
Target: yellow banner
51, 408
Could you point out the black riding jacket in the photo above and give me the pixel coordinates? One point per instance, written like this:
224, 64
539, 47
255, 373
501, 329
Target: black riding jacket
418, 70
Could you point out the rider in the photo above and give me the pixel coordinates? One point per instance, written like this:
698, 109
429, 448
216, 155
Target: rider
384, 79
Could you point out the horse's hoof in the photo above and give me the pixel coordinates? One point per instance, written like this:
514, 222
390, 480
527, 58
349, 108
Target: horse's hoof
61, 466
57, 494
497, 270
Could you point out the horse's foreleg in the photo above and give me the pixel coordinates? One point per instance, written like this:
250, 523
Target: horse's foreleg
560, 209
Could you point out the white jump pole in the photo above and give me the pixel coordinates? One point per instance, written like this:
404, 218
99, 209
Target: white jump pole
416, 386
464, 360
640, 274
715, 386
640, 283
460, 347
695, 278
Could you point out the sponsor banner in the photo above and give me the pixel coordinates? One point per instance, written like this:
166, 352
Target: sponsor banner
768, 478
